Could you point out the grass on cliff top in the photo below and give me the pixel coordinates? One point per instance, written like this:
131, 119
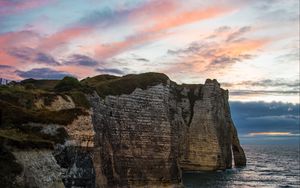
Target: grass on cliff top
112, 85
40, 84
16, 115
24, 96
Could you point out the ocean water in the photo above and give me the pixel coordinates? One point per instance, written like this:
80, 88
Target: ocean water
267, 166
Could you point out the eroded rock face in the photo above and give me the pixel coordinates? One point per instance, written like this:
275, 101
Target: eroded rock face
40, 169
143, 139
134, 138
70, 164
148, 137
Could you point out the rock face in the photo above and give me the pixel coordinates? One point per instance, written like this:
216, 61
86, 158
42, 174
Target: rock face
150, 136
144, 138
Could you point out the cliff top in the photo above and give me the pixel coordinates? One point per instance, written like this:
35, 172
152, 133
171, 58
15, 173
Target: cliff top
113, 85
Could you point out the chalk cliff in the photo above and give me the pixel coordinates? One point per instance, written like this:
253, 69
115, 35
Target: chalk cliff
137, 131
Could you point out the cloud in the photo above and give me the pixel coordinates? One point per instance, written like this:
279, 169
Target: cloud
82, 60
250, 117
142, 59
222, 29
31, 55
63, 37
42, 73
5, 67
14, 6
156, 30
265, 83
226, 60
280, 117
110, 71
211, 55
45, 59
238, 33
263, 92
19, 38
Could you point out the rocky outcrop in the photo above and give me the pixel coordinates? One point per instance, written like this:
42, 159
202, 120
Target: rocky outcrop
70, 163
147, 138
59, 103
40, 169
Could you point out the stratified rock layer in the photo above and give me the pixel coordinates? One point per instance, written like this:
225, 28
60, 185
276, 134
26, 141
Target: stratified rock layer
149, 136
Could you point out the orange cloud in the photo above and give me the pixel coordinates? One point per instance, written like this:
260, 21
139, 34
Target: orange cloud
246, 46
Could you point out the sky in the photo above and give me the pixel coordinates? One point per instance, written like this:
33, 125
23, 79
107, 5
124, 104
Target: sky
250, 46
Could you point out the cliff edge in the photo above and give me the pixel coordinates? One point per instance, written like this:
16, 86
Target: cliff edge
107, 131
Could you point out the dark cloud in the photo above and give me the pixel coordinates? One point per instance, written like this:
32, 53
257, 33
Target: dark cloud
142, 59
225, 60
82, 60
45, 59
252, 117
110, 71
265, 83
263, 92
238, 33
278, 87
42, 73
5, 67
22, 53
31, 55
222, 29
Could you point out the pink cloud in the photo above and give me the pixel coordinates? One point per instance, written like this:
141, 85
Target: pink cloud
157, 30
63, 37
12, 7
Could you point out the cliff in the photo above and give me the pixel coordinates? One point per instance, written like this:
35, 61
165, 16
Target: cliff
107, 131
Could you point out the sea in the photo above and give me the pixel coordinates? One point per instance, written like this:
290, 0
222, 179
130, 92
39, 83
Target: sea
267, 166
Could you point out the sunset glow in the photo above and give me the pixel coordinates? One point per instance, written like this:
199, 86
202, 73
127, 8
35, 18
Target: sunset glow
272, 134
250, 47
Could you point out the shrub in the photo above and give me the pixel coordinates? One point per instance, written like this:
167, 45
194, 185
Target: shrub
66, 84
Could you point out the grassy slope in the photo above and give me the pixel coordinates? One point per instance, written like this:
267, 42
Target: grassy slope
17, 101
112, 85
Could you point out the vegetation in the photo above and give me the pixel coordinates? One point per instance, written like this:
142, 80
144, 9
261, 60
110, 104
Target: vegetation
79, 99
40, 84
66, 84
9, 168
14, 115
112, 85
18, 104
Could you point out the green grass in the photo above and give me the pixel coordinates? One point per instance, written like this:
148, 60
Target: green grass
97, 79
40, 84
79, 99
111, 85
